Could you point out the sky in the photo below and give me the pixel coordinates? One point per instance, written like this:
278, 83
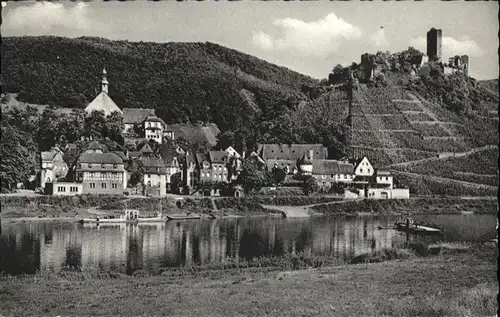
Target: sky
310, 37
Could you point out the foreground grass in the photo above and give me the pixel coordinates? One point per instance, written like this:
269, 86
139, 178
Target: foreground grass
458, 281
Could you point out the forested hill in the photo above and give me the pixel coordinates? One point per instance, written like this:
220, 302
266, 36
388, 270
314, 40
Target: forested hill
185, 82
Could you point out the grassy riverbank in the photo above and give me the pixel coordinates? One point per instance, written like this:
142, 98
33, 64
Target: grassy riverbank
414, 206
75, 207
458, 281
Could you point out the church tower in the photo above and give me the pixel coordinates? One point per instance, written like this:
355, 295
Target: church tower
102, 102
104, 82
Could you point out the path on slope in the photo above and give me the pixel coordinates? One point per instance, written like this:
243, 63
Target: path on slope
444, 155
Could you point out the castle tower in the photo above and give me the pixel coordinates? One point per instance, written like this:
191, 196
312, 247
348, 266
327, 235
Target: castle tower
104, 82
434, 44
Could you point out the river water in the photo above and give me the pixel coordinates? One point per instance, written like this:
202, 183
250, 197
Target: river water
26, 248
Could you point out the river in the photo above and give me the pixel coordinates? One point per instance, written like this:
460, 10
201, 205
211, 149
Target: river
26, 248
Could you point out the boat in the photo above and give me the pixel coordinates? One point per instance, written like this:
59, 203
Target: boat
183, 216
129, 216
416, 228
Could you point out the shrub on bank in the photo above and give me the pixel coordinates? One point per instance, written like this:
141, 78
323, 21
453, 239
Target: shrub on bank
62, 201
425, 205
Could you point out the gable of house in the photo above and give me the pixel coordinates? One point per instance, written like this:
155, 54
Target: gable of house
364, 168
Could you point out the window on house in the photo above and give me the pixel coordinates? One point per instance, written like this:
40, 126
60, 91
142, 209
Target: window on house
90, 165
115, 166
114, 185
92, 185
149, 183
103, 185
103, 166
368, 170
387, 178
361, 170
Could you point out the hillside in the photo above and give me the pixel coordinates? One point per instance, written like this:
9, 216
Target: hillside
415, 126
184, 82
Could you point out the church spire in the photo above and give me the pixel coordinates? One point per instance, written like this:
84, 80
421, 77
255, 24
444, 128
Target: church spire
104, 82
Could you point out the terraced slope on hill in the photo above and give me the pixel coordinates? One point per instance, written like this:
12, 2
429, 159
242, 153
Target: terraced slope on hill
430, 148
392, 125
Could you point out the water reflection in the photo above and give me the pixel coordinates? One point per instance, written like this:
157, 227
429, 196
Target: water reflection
27, 248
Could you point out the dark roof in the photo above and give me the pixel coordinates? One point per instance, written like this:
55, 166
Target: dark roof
291, 151
217, 156
136, 115
146, 149
280, 163
190, 132
331, 167
134, 154
100, 158
154, 118
200, 157
383, 171
153, 165
120, 154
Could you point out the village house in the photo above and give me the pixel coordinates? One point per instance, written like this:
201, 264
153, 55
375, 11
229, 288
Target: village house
169, 153
153, 129
133, 117
383, 177
102, 102
53, 166
292, 152
101, 173
155, 176
328, 172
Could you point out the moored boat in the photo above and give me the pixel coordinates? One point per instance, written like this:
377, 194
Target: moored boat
416, 228
129, 216
183, 216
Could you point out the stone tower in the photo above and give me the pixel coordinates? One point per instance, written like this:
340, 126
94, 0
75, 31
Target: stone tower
104, 82
434, 44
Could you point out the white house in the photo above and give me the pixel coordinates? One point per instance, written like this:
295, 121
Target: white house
52, 166
384, 177
153, 128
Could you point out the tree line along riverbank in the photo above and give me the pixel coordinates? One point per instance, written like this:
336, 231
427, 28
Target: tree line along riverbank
72, 206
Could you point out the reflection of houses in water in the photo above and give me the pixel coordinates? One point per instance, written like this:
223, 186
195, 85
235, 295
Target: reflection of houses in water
60, 248
106, 246
130, 247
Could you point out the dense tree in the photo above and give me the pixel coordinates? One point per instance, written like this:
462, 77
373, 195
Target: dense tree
252, 178
136, 171
18, 153
310, 185
278, 175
